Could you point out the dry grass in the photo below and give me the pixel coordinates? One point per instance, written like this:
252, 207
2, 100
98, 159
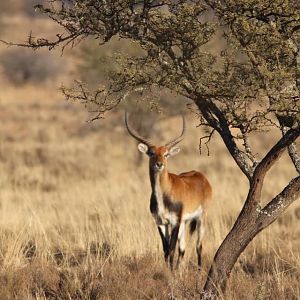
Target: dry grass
74, 216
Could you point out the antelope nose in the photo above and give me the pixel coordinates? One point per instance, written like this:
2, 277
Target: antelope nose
159, 164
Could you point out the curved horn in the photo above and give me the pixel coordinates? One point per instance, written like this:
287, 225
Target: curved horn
178, 139
135, 135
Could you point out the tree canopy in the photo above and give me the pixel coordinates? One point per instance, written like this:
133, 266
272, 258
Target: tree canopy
252, 78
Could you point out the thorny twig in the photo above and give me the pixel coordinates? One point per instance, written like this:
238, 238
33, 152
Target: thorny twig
102, 100
208, 138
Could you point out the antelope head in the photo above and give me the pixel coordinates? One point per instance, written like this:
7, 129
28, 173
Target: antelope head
158, 155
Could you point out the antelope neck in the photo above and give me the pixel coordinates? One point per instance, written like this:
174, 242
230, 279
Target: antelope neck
158, 180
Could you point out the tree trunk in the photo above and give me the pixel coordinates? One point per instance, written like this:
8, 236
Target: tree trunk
249, 223
242, 233
252, 218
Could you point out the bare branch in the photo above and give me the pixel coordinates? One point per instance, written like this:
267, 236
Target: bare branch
37, 43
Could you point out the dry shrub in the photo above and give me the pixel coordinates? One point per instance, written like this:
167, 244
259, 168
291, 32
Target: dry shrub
136, 277
22, 66
30, 281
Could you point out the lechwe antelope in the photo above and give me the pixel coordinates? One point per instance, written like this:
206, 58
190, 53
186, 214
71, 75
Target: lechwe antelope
176, 200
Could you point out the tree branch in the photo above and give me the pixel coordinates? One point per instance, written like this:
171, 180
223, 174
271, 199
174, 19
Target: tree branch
294, 156
293, 152
217, 120
254, 196
263, 167
248, 150
41, 42
280, 203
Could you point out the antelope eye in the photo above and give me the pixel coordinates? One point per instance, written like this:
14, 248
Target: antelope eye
151, 154
166, 155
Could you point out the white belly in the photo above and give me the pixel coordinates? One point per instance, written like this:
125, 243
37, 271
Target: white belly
193, 215
166, 218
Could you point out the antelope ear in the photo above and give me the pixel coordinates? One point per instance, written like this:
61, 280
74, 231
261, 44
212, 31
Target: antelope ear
143, 148
174, 150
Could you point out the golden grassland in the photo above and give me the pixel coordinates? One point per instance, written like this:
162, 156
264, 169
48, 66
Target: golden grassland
74, 209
